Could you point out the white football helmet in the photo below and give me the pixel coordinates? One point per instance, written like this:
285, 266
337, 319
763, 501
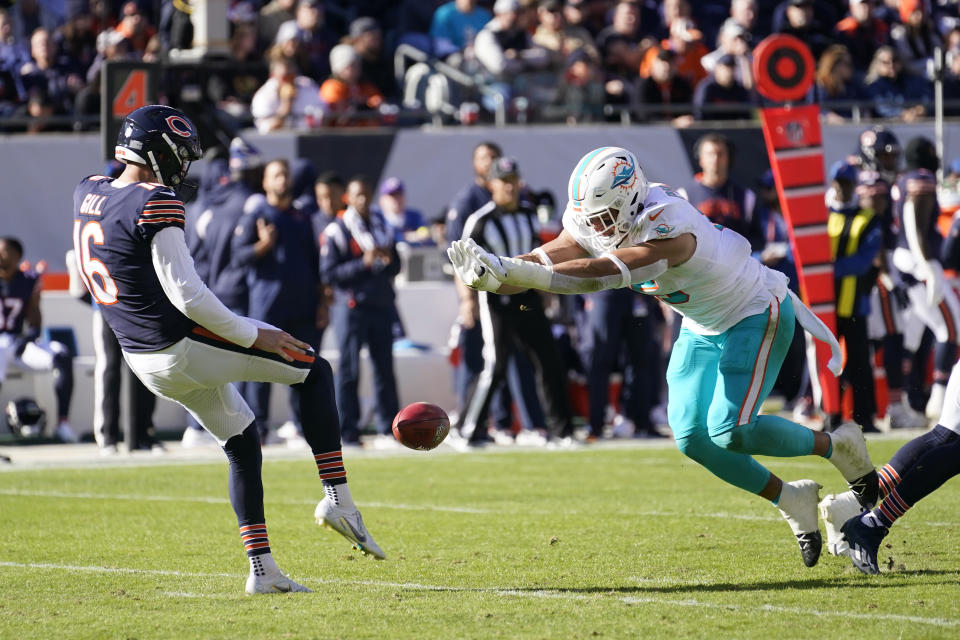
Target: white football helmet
606, 190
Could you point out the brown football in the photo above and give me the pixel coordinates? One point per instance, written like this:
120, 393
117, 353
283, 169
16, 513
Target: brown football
421, 426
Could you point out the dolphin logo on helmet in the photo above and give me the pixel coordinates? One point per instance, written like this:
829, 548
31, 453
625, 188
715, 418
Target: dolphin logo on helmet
606, 191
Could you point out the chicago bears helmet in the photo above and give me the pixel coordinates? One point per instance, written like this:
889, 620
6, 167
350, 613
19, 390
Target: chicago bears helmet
164, 140
25, 417
880, 151
606, 190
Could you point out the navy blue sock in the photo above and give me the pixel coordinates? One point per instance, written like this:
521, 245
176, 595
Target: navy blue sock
944, 357
937, 462
893, 360
63, 382
317, 408
246, 489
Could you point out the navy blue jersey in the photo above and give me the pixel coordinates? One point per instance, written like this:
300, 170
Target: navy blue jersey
730, 206
227, 280
467, 200
283, 282
913, 183
15, 297
870, 179
112, 230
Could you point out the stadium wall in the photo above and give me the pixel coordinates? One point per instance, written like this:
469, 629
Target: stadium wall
38, 173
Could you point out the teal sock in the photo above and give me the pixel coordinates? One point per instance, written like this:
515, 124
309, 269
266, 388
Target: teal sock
829, 450
776, 501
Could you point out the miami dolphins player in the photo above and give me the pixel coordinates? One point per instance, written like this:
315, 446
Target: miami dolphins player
620, 231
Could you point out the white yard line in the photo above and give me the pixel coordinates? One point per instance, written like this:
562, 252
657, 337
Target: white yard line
213, 500
558, 594
722, 515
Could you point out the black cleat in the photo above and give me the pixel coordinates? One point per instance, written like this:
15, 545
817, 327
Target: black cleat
867, 489
864, 544
810, 546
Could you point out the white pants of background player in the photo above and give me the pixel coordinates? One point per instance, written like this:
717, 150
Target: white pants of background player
198, 376
35, 357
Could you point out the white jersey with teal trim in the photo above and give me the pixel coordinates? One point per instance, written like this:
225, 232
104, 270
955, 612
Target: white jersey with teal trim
721, 283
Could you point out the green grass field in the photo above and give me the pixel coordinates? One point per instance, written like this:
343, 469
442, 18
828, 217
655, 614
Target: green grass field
612, 542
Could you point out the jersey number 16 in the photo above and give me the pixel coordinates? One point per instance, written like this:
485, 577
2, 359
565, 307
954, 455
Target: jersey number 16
105, 291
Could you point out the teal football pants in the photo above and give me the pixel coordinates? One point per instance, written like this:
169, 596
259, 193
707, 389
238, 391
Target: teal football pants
716, 386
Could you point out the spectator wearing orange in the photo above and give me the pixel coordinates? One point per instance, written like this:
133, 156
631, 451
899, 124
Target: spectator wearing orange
686, 41
863, 32
135, 27
347, 96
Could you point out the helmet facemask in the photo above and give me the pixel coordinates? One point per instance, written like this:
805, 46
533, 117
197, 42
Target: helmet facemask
607, 228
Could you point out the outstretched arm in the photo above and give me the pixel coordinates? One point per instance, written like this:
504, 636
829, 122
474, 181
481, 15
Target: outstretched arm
620, 268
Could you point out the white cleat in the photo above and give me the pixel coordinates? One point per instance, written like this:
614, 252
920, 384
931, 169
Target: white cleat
273, 582
65, 433
349, 524
834, 511
798, 504
901, 415
935, 404
193, 438
851, 458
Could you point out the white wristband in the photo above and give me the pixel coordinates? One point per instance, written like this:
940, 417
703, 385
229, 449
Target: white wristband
542, 255
624, 271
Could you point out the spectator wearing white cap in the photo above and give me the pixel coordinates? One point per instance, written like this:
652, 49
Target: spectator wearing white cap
351, 101
286, 100
735, 40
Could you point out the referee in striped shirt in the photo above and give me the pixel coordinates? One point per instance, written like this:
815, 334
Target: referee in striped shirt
506, 226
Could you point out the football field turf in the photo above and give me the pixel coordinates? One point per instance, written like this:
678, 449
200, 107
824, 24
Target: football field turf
629, 541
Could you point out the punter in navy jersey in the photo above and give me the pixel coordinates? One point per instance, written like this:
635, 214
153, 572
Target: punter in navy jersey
184, 344
20, 305
933, 302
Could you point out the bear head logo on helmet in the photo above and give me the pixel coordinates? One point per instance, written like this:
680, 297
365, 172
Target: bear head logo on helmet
164, 140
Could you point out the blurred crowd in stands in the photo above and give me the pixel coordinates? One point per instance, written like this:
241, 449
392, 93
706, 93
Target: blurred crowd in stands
309, 63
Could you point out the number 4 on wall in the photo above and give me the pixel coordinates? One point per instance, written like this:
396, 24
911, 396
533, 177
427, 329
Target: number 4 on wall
132, 95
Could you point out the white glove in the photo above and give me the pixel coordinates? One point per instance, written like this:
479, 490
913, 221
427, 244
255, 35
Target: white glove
470, 270
484, 257
935, 281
